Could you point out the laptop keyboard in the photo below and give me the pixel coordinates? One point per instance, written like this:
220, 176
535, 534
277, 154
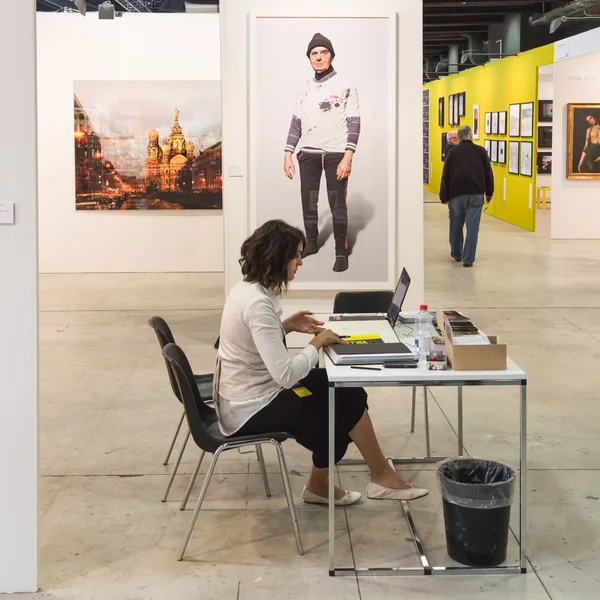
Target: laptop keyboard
360, 318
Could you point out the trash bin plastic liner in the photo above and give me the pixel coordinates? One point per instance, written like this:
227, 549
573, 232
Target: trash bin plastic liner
477, 495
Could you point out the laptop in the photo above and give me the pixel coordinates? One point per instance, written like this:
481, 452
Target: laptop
393, 311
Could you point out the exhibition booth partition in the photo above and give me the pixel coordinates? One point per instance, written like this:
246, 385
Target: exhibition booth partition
538, 116
499, 100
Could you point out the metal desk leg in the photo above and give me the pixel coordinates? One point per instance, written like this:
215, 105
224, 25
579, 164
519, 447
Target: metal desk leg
427, 440
460, 420
331, 480
523, 479
414, 406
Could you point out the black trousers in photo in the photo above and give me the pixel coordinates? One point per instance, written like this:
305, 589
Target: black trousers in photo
307, 418
311, 171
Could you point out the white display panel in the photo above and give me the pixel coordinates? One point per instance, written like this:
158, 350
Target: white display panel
237, 91
72, 48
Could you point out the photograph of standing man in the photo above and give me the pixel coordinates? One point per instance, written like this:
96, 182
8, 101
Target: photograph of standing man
326, 127
467, 182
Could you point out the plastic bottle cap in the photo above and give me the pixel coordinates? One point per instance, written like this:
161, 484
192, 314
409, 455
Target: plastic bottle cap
423, 307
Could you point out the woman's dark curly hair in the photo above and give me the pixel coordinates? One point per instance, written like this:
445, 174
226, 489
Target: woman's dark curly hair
267, 253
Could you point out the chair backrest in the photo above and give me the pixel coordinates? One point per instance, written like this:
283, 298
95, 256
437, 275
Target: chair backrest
362, 302
201, 418
164, 335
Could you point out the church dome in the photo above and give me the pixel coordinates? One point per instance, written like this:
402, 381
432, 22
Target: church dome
153, 135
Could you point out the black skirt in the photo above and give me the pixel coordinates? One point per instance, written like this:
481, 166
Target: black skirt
306, 417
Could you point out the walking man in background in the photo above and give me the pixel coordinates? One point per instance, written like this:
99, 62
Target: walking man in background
451, 141
326, 123
467, 181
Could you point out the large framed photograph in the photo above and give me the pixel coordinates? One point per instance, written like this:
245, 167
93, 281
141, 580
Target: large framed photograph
544, 163
441, 108
494, 123
513, 158
476, 121
514, 120
502, 152
336, 179
545, 136
502, 123
583, 141
488, 123
494, 151
526, 161
545, 111
147, 145
527, 119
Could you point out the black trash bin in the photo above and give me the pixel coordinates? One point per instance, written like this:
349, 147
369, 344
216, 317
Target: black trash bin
477, 495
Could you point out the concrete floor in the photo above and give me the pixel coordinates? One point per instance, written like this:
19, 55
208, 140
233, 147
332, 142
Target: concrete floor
107, 413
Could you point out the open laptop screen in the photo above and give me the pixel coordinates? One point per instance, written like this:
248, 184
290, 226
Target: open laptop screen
399, 296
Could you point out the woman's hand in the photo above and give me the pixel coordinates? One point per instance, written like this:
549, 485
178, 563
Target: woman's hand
326, 338
303, 322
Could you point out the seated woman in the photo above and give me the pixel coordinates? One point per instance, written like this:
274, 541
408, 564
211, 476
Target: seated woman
256, 380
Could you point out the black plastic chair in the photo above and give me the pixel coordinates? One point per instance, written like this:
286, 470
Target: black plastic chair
204, 427
203, 382
376, 302
362, 302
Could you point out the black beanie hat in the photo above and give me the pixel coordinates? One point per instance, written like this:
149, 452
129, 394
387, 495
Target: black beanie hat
320, 40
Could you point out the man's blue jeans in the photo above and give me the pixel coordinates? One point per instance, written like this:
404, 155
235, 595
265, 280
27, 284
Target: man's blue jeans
465, 210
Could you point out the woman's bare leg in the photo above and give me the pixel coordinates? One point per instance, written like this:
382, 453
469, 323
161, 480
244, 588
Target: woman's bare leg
318, 483
363, 435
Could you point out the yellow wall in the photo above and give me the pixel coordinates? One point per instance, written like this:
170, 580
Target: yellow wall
493, 86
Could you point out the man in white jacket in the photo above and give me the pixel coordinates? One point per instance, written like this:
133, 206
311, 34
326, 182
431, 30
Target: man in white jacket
326, 127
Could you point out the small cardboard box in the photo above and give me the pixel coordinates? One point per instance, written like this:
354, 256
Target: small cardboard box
490, 357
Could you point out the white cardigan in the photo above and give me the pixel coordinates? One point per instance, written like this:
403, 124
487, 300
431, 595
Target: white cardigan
253, 364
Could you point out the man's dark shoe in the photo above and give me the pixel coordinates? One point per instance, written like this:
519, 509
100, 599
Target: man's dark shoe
467, 265
311, 248
457, 259
341, 264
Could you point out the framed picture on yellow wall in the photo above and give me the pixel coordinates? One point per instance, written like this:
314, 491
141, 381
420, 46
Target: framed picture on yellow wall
494, 123
441, 111
502, 152
488, 123
514, 120
502, 123
476, 118
583, 141
451, 110
513, 158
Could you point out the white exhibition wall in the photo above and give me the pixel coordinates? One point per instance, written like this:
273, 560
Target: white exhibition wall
149, 47
236, 19
575, 203
18, 303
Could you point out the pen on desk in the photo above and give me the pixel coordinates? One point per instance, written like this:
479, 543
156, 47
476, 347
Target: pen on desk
367, 368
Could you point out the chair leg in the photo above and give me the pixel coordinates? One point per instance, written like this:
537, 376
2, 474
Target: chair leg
414, 408
192, 482
175, 467
427, 440
166, 461
263, 468
288, 495
190, 528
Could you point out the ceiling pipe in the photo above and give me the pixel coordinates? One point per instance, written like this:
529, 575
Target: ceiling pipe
570, 10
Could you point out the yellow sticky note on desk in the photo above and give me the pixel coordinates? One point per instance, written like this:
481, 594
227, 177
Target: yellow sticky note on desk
302, 392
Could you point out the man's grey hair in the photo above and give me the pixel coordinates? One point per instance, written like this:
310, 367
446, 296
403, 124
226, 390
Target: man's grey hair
464, 133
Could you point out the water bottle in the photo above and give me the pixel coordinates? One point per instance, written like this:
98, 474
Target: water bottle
423, 330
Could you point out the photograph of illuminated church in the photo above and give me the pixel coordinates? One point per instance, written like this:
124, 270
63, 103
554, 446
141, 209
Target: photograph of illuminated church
147, 145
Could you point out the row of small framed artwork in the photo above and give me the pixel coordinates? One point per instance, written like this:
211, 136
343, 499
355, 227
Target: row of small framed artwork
520, 155
457, 108
495, 123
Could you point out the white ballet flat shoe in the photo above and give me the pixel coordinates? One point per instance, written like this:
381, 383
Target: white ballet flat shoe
347, 499
378, 492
